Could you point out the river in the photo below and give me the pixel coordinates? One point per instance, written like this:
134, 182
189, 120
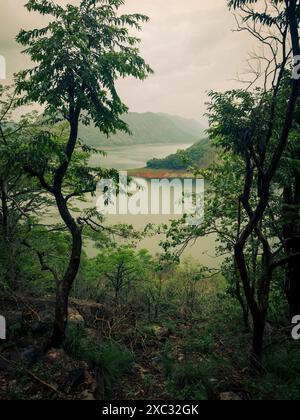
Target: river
134, 156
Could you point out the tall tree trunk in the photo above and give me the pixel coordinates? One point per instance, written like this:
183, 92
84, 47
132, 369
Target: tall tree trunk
12, 272
243, 304
64, 288
65, 285
293, 280
258, 304
62, 299
7, 223
291, 232
259, 324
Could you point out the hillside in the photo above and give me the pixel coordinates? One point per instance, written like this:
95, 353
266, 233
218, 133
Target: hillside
147, 128
200, 154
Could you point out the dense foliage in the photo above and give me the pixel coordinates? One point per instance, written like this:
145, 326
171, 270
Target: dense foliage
200, 154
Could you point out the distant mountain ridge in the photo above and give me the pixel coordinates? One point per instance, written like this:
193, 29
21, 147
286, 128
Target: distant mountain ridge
147, 128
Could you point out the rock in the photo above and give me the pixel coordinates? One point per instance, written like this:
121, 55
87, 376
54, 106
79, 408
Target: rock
46, 321
75, 317
87, 396
14, 323
92, 311
55, 356
156, 360
161, 333
213, 381
31, 354
75, 378
44, 324
229, 396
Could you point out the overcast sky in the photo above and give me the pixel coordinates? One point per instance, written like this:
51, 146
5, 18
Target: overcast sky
189, 44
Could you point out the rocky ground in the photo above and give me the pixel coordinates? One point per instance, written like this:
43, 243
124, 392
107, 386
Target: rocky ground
28, 371
25, 361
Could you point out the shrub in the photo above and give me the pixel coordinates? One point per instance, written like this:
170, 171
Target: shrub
109, 360
185, 382
202, 345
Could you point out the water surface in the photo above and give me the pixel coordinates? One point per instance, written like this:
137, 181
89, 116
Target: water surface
136, 156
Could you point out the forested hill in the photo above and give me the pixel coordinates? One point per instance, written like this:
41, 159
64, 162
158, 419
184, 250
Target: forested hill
147, 128
201, 154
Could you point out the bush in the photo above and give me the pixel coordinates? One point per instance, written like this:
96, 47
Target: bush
200, 345
109, 360
282, 380
75, 337
185, 382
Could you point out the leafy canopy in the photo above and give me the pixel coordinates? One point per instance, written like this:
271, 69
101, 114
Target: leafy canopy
79, 55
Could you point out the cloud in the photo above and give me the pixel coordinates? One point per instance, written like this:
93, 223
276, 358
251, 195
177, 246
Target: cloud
190, 45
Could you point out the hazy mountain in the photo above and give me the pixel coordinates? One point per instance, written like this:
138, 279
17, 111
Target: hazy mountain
147, 128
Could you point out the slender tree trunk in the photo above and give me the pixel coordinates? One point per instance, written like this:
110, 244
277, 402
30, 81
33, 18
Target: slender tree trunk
293, 281
61, 316
5, 225
258, 309
259, 324
119, 282
63, 291
64, 287
8, 238
12, 272
291, 234
243, 304
259, 304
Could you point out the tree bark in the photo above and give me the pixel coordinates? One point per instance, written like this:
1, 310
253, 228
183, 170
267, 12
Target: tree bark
64, 286
258, 303
291, 234
63, 291
259, 324
7, 228
255, 217
5, 224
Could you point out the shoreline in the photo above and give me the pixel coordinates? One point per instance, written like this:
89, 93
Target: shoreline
148, 173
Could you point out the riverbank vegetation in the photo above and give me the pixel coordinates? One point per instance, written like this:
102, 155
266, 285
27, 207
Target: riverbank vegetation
201, 154
127, 324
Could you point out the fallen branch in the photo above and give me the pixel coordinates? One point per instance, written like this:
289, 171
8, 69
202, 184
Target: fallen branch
34, 377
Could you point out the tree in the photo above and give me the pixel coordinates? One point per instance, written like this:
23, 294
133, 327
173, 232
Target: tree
122, 269
223, 219
263, 151
255, 128
76, 82
289, 181
21, 198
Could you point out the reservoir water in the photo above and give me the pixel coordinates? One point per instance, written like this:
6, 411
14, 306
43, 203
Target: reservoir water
136, 156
